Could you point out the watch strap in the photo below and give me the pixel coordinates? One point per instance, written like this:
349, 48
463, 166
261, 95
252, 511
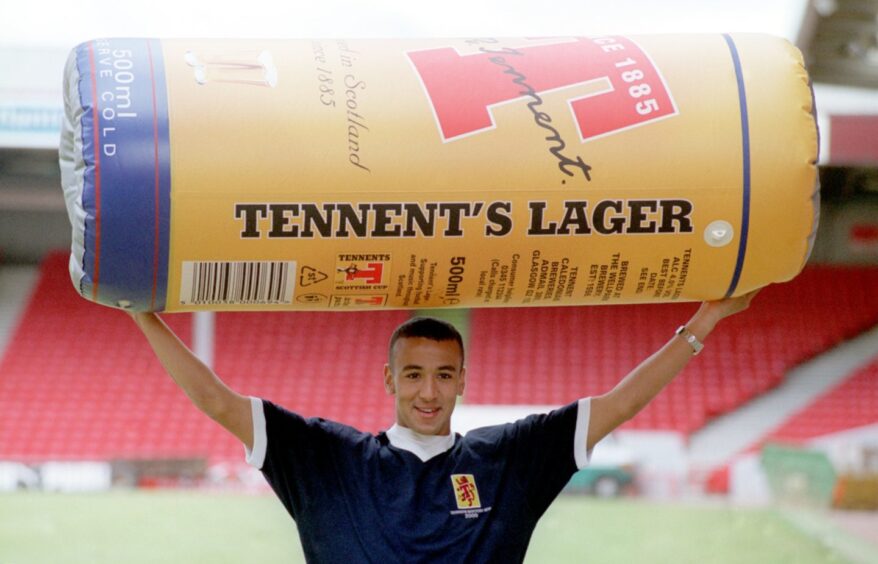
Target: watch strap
693, 341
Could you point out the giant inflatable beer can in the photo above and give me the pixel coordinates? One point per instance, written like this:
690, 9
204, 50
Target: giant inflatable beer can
476, 172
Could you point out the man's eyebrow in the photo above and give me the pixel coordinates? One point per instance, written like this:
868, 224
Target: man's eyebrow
419, 367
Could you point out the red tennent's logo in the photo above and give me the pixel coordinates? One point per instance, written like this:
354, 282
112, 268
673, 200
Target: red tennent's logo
624, 89
362, 271
369, 275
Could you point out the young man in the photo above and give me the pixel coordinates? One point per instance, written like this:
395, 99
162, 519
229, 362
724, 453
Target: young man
419, 493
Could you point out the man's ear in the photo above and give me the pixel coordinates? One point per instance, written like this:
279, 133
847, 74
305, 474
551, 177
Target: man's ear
389, 387
461, 382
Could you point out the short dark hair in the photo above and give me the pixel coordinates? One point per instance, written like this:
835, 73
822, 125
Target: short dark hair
427, 328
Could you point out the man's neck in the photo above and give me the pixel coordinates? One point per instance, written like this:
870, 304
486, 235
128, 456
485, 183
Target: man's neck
424, 447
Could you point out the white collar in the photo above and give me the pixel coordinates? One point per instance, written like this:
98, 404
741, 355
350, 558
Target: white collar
424, 447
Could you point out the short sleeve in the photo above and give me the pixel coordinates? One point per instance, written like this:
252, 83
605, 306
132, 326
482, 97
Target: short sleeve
256, 456
580, 438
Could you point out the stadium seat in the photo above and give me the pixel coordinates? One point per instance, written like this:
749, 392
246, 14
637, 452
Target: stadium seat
78, 381
578, 351
317, 364
850, 404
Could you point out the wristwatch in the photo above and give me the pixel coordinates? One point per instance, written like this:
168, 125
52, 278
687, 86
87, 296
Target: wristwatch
693, 341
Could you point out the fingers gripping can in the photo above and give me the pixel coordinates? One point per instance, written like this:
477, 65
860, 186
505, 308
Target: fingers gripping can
324, 174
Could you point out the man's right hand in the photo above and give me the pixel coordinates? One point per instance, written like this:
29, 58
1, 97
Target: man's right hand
204, 388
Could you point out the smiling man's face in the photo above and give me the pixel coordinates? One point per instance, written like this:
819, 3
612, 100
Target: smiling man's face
425, 376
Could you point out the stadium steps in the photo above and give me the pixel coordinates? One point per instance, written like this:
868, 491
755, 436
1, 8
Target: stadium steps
16, 284
769, 415
851, 404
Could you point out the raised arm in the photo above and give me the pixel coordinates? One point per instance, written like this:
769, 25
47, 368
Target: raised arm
204, 388
645, 382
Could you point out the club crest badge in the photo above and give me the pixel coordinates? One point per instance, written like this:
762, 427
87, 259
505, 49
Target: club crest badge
465, 491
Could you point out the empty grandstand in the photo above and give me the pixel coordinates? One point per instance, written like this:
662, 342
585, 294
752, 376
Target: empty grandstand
104, 396
781, 409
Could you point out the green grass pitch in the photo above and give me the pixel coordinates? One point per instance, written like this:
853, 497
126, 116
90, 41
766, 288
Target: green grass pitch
193, 527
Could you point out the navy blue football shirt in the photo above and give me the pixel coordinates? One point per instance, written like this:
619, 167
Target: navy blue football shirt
356, 497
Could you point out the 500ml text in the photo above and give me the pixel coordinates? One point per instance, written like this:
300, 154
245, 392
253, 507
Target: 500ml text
451, 295
117, 66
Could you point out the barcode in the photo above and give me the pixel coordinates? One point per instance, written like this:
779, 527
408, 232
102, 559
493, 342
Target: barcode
246, 283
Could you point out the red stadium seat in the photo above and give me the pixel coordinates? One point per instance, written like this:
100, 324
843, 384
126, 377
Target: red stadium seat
586, 350
852, 403
317, 364
78, 380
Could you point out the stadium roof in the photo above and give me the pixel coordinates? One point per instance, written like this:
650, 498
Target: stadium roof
36, 35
